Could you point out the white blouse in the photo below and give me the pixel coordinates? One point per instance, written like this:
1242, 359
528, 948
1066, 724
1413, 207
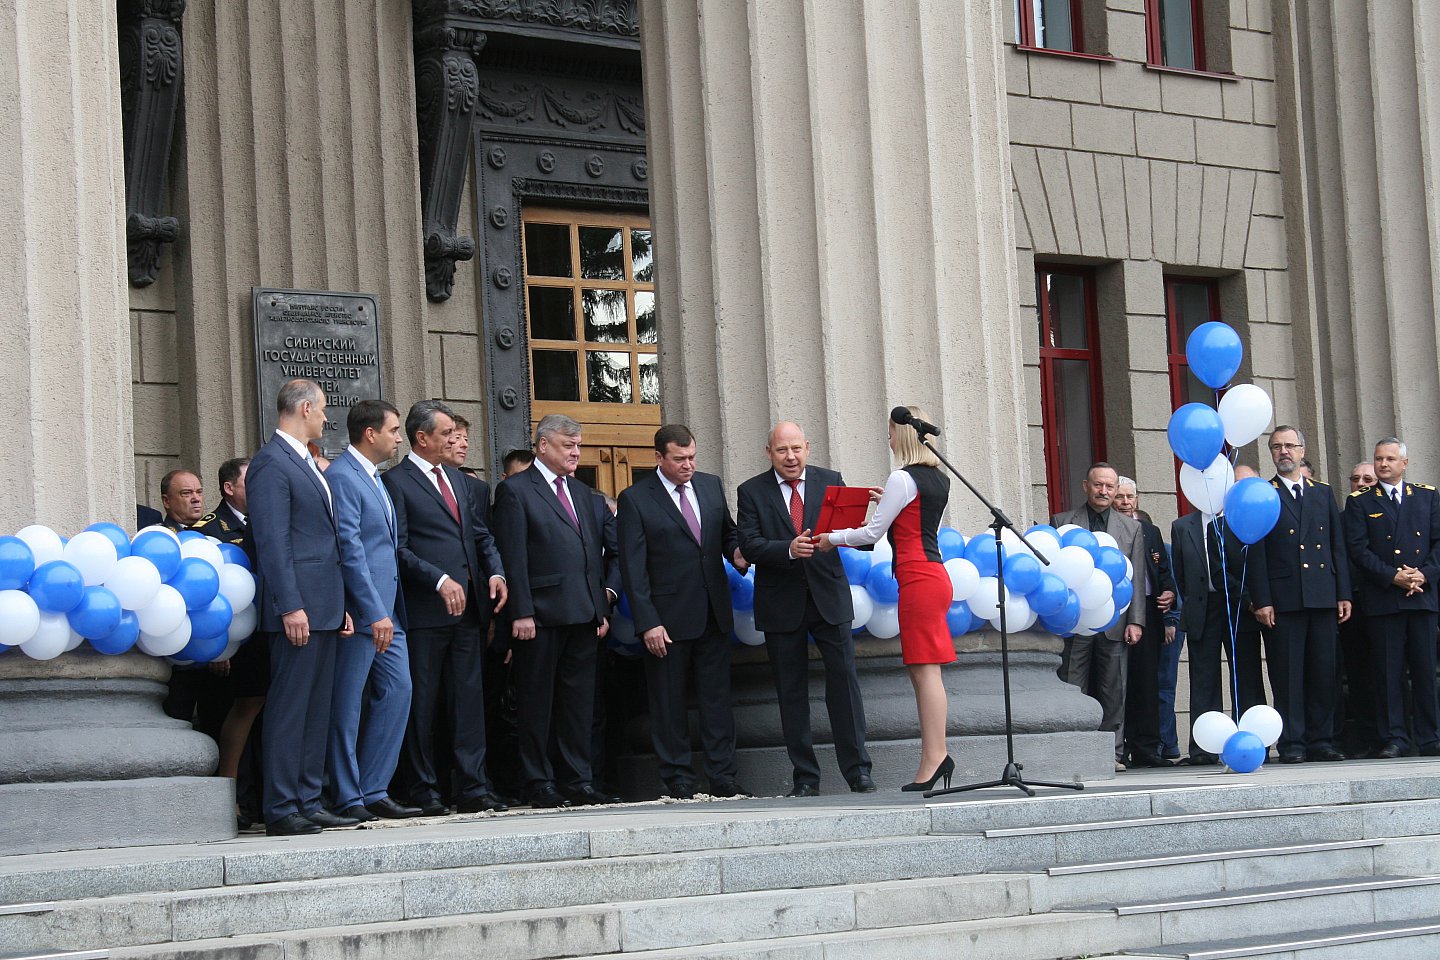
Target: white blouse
900, 489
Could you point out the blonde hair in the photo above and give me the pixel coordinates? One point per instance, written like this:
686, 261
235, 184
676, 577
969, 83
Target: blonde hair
908, 449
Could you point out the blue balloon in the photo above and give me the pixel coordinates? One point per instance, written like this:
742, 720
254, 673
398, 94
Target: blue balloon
203, 649
1048, 597
1251, 509
958, 618
623, 606
115, 534
233, 554
981, 552
17, 563
951, 543
857, 565
1022, 573
1080, 538
198, 583
57, 587
1244, 752
742, 594
1113, 622
160, 549
882, 583
211, 619
1196, 434
977, 622
1214, 352
122, 638
96, 615
1111, 561
186, 536
1124, 592
1069, 616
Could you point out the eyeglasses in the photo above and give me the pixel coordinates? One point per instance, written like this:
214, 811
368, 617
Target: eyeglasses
1287, 446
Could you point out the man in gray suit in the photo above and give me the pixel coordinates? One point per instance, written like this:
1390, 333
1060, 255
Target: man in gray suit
1097, 664
372, 668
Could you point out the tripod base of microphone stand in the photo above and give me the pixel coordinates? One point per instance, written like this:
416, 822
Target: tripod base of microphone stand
1010, 777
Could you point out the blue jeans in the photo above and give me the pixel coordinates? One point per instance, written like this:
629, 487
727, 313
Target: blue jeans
1169, 672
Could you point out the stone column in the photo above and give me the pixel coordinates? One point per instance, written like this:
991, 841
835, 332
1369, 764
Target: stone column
65, 329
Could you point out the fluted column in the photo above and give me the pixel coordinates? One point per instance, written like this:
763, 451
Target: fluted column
64, 329
830, 195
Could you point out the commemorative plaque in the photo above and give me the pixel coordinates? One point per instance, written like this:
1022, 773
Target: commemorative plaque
331, 338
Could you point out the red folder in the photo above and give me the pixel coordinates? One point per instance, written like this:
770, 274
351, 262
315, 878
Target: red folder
842, 508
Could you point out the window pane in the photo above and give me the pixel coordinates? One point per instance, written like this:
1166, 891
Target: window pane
645, 317
642, 257
602, 253
1065, 293
608, 376
590, 476
1053, 26
556, 375
1177, 34
1073, 440
552, 313
547, 249
605, 316
649, 378
1192, 308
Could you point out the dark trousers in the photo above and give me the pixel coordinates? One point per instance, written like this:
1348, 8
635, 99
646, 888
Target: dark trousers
790, 666
1096, 665
1405, 643
1169, 677
707, 659
555, 687
297, 723
1142, 686
1205, 650
200, 697
1300, 651
446, 664
1359, 686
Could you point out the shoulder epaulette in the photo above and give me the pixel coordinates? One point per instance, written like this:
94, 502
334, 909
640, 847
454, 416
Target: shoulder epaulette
1423, 486
208, 518
1356, 493
1317, 483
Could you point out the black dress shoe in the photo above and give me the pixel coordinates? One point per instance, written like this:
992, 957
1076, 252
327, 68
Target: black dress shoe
327, 819
358, 813
862, 784
1199, 758
292, 825
588, 796
1292, 756
680, 789
387, 809
1391, 751
1324, 755
1143, 758
433, 807
484, 803
1433, 750
804, 790
727, 789
546, 797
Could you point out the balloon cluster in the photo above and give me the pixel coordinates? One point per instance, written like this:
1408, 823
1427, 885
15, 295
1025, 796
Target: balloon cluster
1199, 432
184, 596
1242, 747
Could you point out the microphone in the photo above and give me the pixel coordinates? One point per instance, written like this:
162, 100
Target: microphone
902, 416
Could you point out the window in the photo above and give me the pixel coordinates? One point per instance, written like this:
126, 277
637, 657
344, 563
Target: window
1189, 302
1070, 395
1051, 24
1175, 33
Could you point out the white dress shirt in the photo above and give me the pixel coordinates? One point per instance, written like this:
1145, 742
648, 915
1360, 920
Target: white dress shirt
900, 489
303, 453
1393, 491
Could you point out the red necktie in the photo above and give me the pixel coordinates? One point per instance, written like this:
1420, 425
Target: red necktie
446, 494
797, 506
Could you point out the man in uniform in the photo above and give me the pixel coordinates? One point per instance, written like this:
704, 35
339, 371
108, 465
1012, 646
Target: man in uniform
227, 523
1393, 533
183, 499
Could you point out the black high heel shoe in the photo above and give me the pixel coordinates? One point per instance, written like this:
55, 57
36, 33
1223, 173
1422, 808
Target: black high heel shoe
944, 771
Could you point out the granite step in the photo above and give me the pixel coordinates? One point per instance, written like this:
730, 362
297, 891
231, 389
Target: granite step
1374, 941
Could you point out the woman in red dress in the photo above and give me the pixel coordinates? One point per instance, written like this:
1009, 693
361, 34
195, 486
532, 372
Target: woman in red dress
909, 509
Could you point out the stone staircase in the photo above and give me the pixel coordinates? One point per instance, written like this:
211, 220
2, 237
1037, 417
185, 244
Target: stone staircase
1305, 870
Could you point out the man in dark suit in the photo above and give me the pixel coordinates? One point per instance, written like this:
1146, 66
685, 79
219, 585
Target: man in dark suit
452, 579
1393, 534
800, 593
560, 555
1301, 601
1210, 603
1155, 588
1096, 664
301, 603
372, 669
675, 531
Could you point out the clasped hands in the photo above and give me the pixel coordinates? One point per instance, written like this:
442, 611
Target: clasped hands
1409, 578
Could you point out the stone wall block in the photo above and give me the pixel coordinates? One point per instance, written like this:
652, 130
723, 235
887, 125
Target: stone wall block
1192, 96
1130, 85
1085, 191
1055, 169
1041, 123
1165, 137
1236, 145
1110, 175
1189, 191
1252, 54
1103, 129
1265, 248
1063, 78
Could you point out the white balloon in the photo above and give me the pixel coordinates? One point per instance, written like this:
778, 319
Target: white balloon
1093, 593
745, 628
204, 549
1083, 631
863, 603
74, 641
1206, 488
43, 542
1263, 721
1106, 540
1013, 544
236, 585
229, 651
964, 578
165, 644
242, 624
1066, 528
19, 617
1097, 618
135, 582
1129, 570
50, 638
883, 552
985, 600
1210, 731
1073, 565
1245, 410
162, 528
1045, 543
1018, 615
163, 615
93, 555
884, 621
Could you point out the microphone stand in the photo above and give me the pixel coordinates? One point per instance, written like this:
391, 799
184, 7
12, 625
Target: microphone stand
1010, 776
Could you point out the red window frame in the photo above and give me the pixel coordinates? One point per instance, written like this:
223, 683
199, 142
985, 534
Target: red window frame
1155, 48
1058, 486
1026, 27
1179, 366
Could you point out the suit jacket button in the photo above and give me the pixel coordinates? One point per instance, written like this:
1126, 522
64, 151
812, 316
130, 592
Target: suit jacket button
1397, 552
1302, 546
1292, 533
1305, 566
1322, 566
